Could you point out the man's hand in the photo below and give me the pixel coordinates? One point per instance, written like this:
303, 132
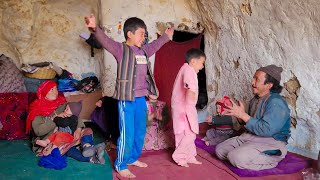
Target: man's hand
169, 32
237, 111
90, 22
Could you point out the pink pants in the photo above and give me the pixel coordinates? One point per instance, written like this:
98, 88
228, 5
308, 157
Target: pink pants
185, 151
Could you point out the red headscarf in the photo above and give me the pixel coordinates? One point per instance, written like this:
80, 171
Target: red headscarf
42, 106
224, 102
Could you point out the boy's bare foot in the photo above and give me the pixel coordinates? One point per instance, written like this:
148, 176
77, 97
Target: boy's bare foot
184, 165
139, 164
195, 162
42, 143
126, 173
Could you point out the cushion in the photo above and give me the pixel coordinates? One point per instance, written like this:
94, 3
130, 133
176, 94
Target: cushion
290, 164
14, 111
75, 107
11, 79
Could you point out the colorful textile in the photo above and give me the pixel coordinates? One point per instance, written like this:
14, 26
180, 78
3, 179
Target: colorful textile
54, 160
158, 111
14, 111
60, 138
158, 135
11, 79
157, 138
223, 103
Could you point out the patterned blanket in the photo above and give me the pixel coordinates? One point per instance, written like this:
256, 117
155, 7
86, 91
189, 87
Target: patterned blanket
14, 111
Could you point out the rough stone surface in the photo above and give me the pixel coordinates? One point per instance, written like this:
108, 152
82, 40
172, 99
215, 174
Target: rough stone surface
246, 35
42, 30
240, 36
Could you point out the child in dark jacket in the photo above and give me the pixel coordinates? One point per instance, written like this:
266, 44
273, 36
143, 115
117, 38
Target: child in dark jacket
224, 125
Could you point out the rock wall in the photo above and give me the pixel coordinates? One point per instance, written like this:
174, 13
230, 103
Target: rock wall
241, 35
42, 30
247, 34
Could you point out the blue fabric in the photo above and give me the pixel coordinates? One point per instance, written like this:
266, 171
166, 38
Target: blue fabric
77, 155
53, 160
89, 74
66, 85
274, 121
87, 139
132, 125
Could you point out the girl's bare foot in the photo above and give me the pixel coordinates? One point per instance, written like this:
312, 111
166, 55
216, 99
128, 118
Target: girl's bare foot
139, 164
126, 173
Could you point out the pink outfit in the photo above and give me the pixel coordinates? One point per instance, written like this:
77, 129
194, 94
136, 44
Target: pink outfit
184, 115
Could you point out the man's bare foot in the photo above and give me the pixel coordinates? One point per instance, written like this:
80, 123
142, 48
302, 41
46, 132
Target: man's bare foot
184, 165
139, 164
126, 173
195, 162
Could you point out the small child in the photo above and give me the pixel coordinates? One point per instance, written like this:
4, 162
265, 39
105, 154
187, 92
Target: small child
66, 126
63, 134
105, 115
224, 125
184, 112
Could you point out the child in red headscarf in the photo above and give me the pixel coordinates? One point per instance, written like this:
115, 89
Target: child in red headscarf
44, 110
223, 125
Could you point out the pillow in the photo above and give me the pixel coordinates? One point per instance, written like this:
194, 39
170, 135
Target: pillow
11, 79
14, 111
75, 107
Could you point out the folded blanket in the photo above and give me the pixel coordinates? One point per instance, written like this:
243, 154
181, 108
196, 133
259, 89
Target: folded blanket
53, 160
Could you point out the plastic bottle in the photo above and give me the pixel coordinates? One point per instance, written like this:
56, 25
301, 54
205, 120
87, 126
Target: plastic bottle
119, 27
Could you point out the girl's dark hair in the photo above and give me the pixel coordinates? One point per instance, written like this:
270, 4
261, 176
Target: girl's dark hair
132, 24
194, 53
276, 87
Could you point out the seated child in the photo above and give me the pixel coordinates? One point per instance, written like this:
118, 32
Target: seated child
64, 135
106, 117
223, 125
66, 126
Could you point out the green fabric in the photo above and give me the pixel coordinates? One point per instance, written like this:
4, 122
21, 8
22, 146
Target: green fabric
17, 161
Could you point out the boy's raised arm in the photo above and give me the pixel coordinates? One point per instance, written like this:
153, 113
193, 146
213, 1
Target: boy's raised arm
114, 47
155, 45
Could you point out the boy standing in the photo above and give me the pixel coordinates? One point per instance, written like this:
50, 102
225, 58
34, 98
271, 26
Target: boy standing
184, 112
134, 81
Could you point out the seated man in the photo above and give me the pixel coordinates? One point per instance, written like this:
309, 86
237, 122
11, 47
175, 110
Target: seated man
267, 124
